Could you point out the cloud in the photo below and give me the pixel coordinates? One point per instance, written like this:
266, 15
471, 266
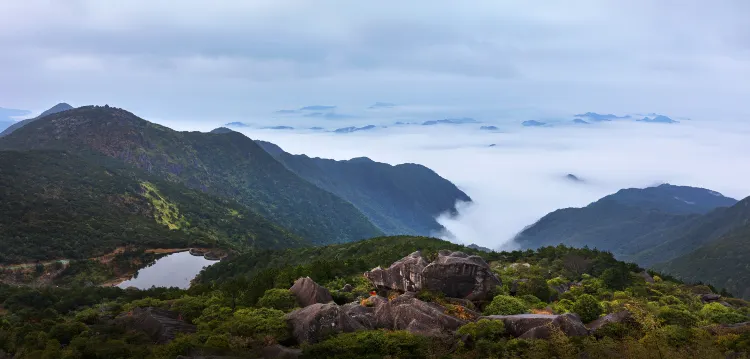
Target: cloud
243, 59
522, 178
318, 108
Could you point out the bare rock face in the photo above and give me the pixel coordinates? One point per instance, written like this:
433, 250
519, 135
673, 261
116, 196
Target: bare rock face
710, 298
404, 275
455, 274
647, 277
538, 326
161, 325
308, 292
317, 321
406, 312
619, 317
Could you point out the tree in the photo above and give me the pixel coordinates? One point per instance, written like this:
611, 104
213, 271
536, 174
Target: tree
505, 305
587, 307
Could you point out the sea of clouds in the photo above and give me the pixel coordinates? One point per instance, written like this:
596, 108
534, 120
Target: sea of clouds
521, 178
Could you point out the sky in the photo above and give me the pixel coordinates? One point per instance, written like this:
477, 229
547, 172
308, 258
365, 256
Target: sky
189, 62
194, 66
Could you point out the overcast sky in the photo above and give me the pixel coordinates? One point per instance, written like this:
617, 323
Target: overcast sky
190, 61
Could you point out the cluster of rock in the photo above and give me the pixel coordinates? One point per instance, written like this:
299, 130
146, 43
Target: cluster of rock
460, 277
455, 274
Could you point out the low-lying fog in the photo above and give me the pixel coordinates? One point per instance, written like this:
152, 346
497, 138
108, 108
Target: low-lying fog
522, 177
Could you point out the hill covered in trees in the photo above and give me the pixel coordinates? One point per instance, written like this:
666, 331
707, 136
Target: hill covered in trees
59, 205
229, 165
401, 199
646, 226
315, 303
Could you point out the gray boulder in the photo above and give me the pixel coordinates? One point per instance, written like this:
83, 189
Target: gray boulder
404, 275
348, 288
364, 315
308, 292
647, 277
318, 321
281, 352
455, 274
619, 317
406, 312
161, 325
525, 325
710, 297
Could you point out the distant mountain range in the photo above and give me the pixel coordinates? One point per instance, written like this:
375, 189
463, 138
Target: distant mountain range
401, 199
668, 227
55, 109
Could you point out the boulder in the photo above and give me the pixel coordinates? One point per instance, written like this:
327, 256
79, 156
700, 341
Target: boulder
520, 324
406, 312
317, 321
647, 277
455, 274
460, 275
562, 287
619, 317
281, 352
404, 275
308, 292
161, 325
348, 288
364, 315
710, 297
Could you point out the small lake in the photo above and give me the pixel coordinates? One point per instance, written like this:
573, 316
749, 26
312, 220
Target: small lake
174, 270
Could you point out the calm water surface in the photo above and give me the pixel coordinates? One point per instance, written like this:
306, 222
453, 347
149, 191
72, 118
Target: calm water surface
174, 270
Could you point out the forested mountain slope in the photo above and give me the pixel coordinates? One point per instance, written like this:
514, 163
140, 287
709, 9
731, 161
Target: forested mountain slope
55, 205
644, 225
401, 199
228, 165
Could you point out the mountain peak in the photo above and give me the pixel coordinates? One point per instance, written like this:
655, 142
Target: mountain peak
60, 107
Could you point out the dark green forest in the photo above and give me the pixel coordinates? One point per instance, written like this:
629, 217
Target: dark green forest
401, 199
229, 165
58, 205
239, 308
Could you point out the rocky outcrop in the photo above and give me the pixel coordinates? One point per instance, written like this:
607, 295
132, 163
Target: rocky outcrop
710, 297
161, 325
406, 312
404, 275
647, 277
455, 274
308, 292
538, 326
281, 352
619, 317
318, 321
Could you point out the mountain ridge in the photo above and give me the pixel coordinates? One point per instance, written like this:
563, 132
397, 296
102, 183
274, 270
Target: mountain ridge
228, 165
400, 199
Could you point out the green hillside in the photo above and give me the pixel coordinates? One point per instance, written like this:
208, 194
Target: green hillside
401, 199
724, 262
241, 311
228, 165
60, 205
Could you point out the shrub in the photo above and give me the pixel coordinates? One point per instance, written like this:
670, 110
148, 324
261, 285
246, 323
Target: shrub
281, 299
669, 300
673, 316
505, 305
720, 314
562, 306
258, 324
587, 307
483, 329
370, 344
